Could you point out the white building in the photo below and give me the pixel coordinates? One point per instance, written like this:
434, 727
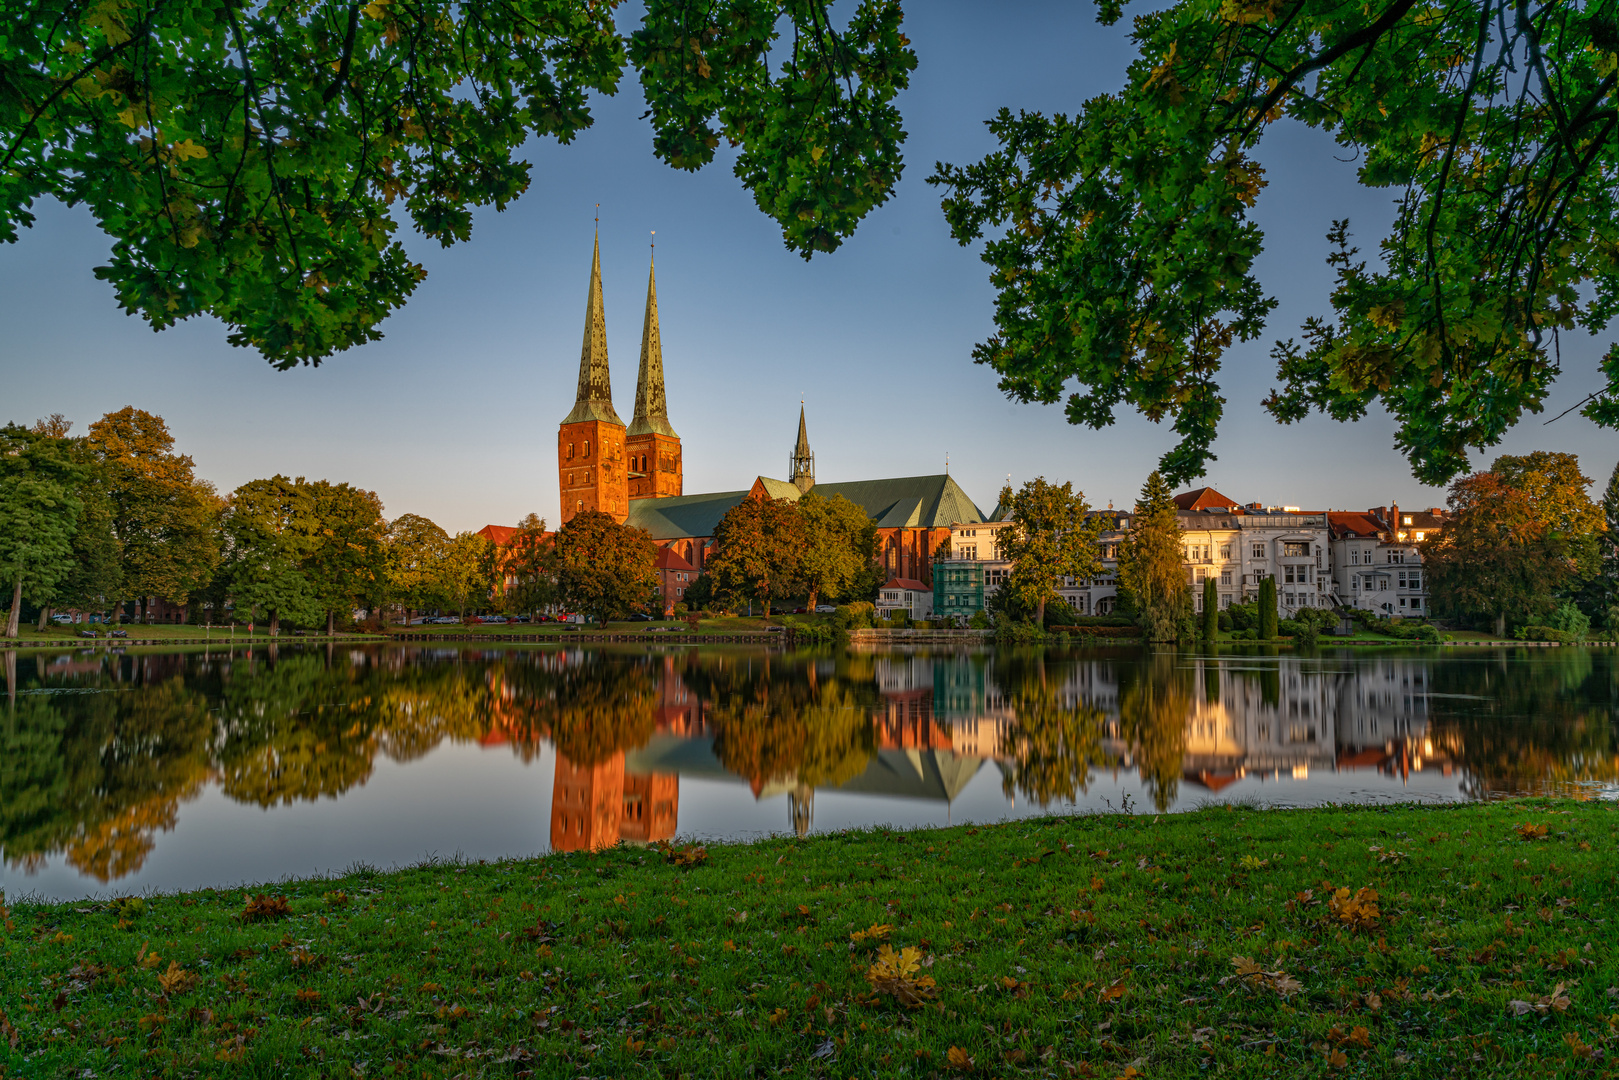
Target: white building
1376, 559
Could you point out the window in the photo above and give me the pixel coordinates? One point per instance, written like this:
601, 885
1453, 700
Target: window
1416, 602
1225, 600
1225, 577
1225, 552
1290, 602
581, 505
1294, 550
1416, 579
1402, 579
1202, 575
587, 448
1382, 584
570, 451
1259, 550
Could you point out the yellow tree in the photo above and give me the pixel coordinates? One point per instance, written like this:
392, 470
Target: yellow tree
1151, 562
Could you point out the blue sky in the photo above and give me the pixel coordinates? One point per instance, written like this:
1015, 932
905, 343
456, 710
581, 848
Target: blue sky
453, 415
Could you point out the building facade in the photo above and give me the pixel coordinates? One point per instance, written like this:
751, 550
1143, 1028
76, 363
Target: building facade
1376, 559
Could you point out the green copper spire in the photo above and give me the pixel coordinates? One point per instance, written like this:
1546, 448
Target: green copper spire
651, 406
802, 463
595, 401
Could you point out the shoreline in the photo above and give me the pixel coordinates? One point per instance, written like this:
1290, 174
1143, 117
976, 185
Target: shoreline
1397, 939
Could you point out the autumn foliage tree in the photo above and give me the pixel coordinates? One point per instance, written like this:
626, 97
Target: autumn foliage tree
840, 542
1496, 560
759, 546
603, 568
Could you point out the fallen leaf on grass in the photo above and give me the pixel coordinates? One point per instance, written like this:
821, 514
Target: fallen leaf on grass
1556, 1000
895, 974
1357, 1036
176, 980
263, 908
1530, 831
876, 932
685, 857
1579, 1048
959, 1059
1356, 910
1251, 974
1112, 992
308, 997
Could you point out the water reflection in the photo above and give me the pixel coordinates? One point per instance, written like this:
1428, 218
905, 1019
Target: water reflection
99, 752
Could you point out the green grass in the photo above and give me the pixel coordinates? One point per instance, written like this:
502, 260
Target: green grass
1083, 946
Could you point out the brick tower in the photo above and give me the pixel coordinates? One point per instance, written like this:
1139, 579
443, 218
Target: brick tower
590, 443
655, 470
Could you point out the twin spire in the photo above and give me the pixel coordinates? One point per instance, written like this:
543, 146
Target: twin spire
595, 398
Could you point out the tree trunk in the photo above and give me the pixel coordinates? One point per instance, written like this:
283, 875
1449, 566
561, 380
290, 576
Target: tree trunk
16, 609
329, 623
44, 617
275, 623
1501, 625
1040, 614
815, 594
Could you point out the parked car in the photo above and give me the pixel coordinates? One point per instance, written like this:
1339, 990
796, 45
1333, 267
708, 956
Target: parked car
61, 620
825, 609
520, 618
638, 616
495, 620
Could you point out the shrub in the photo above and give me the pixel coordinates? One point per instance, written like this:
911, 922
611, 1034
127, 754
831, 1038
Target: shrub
1244, 616
1058, 613
1429, 634
1227, 624
979, 621
1571, 620
1543, 633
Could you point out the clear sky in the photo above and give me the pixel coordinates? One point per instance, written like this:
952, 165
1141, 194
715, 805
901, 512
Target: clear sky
453, 415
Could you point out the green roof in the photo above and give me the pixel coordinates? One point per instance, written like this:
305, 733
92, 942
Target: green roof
912, 502
909, 502
682, 516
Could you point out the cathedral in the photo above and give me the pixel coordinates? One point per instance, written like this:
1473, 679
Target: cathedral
636, 473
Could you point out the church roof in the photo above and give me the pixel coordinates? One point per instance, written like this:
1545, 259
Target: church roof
595, 400
776, 489
910, 502
670, 559
651, 404
682, 516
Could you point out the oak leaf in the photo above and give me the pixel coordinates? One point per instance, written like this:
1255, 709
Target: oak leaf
959, 1059
176, 980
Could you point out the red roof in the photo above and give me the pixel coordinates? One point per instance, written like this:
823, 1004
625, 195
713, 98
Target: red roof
906, 583
1353, 523
670, 559
499, 535
1205, 498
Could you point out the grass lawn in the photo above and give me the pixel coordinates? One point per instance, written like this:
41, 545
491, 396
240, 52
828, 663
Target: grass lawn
69, 635
720, 625
1346, 942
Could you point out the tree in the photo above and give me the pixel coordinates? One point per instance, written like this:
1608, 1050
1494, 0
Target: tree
603, 568
1152, 562
1610, 554
39, 515
468, 571
1557, 492
246, 157
527, 564
347, 561
165, 519
94, 576
1211, 610
1052, 536
1267, 608
1122, 246
759, 546
840, 541
272, 529
1495, 559
416, 550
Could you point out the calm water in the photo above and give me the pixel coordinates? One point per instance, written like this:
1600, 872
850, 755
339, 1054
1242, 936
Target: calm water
125, 772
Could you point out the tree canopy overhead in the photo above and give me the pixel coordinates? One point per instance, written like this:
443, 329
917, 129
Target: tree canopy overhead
1122, 247
245, 157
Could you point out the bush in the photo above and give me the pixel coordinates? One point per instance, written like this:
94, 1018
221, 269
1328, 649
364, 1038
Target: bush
979, 621
1058, 613
1544, 633
1244, 616
1570, 620
1103, 631
1429, 634
1009, 632
1227, 624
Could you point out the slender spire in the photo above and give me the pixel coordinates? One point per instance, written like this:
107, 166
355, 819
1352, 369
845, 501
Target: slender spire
803, 461
651, 406
595, 400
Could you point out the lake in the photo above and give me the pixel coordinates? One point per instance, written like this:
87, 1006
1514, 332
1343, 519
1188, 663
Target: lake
122, 772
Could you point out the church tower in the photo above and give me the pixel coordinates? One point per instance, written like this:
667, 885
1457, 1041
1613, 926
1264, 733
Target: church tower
655, 468
801, 466
590, 443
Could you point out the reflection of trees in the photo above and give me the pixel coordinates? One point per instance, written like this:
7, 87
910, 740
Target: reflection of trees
1155, 701
596, 710
1054, 745
97, 775
788, 724
1545, 723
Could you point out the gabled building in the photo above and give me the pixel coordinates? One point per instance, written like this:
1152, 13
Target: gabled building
1377, 559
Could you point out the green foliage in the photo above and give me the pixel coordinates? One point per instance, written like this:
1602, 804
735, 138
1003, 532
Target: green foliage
39, 515
839, 543
604, 569
527, 559
1060, 614
1571, 620
416, 551
247, 159
347, 562
1556, 491
1267, 608
700, 593
1052, 536
1227, 623
1489, 123
1211, 610
1152, 563
979, 621
272, 531
1544, 633
469, 571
